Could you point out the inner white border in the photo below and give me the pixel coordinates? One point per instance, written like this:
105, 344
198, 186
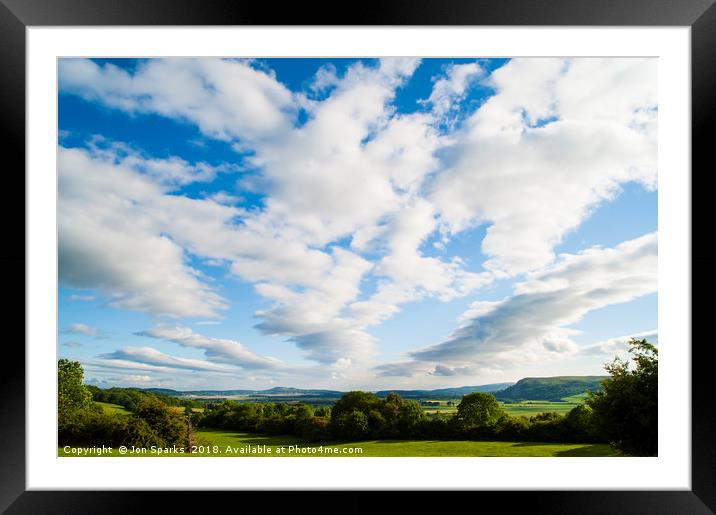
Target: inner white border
671, 470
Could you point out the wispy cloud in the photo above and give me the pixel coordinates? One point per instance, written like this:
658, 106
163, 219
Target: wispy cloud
84, 329
217, 350
534, 323
619, 344
83, 298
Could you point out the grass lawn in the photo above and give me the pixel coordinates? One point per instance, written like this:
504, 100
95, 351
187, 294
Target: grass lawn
219, 442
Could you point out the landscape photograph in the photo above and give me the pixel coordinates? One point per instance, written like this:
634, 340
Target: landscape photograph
357, 257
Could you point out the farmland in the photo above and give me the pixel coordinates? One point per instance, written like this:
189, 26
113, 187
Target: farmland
522, 408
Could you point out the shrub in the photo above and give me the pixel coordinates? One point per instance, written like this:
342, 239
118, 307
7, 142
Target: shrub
316, 429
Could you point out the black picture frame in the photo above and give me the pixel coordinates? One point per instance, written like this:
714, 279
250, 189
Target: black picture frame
17, 15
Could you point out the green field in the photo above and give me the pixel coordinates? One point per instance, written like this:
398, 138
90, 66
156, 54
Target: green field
577, 399
114, 408
219, 442
532, 408
516, 409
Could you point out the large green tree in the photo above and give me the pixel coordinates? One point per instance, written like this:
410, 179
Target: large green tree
71, 393
625, 411
478, 410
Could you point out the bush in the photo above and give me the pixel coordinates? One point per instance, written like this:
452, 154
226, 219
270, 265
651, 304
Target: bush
547, 427
139, 434
168, 425
316, 429
512, 428
88, 427
579, 425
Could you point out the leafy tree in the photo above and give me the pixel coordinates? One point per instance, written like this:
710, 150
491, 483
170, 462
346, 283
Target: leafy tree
350, 426
478, 410
71, 393
356, 401
377, 423
167, 424
625, 411
410, 419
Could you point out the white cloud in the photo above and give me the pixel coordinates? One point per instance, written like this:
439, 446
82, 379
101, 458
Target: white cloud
451, 88
619, 344
83, 298
225, 98
217, 350
534, 323
171, 172
556, 140
135, 378
84, 329
154, 358
325, 78
110, 240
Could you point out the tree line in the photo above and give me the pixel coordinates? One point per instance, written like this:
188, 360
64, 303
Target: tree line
623, 413
364, 416
132, 398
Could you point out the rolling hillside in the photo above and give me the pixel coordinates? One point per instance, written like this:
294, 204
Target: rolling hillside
549, 388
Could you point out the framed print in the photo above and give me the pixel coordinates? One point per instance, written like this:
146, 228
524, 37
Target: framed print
416, 248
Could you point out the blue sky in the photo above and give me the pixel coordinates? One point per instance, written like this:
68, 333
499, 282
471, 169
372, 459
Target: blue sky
354, 223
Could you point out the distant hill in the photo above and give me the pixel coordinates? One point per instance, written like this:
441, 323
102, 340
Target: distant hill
278, 391
286, 392
530, 388
549, 388
281, 391
450, 393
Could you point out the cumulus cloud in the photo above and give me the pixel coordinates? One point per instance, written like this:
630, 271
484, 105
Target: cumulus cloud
535, 322
226, 98
111, 239
451, 88
558, 138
